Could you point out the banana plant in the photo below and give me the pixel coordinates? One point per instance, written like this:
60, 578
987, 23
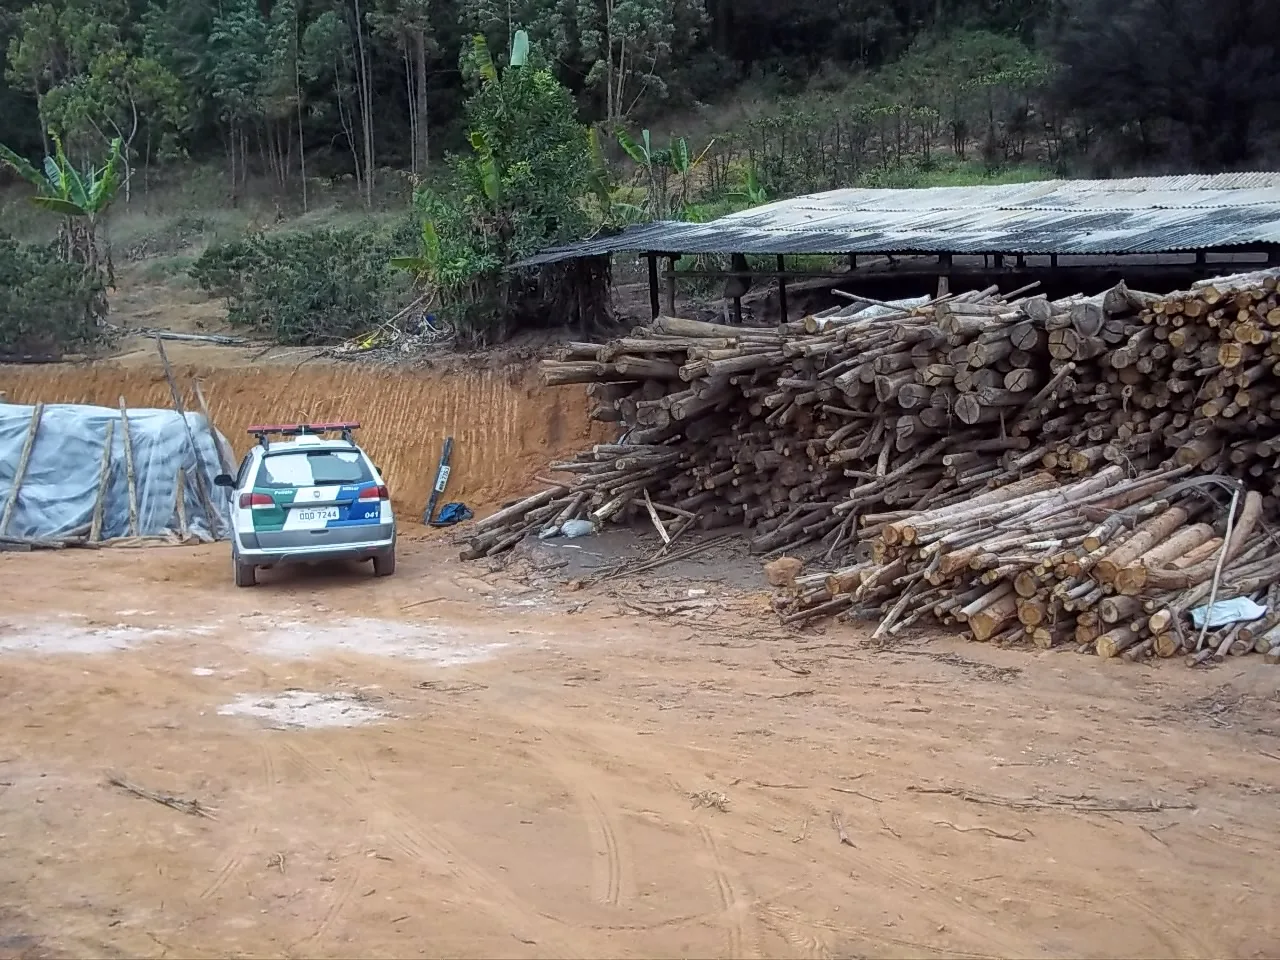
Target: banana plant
658, 165
424, 266
752, 194
80, 197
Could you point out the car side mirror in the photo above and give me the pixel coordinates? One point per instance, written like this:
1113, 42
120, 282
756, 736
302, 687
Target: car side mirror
224, 480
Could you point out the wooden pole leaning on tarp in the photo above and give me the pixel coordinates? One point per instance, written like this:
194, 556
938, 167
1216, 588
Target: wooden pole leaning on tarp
214, 518
104, 474
128, 470
180, 501
227, 466
23, 460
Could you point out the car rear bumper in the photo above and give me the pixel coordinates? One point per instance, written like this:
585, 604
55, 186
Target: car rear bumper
306, 546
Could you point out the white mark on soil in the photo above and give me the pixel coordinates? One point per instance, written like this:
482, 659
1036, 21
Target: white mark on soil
202, 672
302, 709
443, 646
44, 637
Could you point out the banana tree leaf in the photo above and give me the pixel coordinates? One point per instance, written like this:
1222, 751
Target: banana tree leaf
53, 176
638, 153
430, 244
680, 155
484, 61
72, 187
598, 177
106, 181
59, 205
487, 167
20, 166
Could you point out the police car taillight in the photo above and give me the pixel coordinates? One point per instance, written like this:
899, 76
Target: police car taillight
375, 493
256, 500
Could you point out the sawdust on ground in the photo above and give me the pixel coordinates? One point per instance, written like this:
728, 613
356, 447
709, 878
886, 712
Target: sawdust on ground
482, 763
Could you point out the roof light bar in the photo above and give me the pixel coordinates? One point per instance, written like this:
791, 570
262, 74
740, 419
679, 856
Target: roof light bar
264, 431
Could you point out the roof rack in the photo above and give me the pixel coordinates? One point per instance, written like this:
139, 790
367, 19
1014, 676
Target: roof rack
264, 432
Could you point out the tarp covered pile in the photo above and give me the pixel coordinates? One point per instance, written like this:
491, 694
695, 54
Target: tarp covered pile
73, 472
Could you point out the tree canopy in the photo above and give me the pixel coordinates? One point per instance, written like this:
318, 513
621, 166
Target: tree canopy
292, 89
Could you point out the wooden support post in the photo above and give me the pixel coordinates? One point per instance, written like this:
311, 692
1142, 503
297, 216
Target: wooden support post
23, 460
999, 261
1021, 261
104, 473
671, 286
130, 477
853, 261
737, 310
1053, 261
782, 288
180, 502
653, 285
211, 514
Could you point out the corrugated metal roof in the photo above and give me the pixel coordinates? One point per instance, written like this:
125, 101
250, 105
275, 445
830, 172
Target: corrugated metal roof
1138, 215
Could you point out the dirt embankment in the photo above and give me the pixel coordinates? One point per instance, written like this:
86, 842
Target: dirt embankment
505, 426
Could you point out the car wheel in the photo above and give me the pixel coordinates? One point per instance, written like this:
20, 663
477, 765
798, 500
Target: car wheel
246, 574
385, 564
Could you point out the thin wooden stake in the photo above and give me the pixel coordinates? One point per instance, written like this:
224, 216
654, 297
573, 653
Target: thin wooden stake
653, 515
21, 472
180, 502
128, 469
104, 473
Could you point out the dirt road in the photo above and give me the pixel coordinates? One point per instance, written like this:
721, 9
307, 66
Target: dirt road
522, 775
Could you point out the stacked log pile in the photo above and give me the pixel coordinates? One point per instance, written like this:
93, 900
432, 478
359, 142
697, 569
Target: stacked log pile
836, 430
1106, 564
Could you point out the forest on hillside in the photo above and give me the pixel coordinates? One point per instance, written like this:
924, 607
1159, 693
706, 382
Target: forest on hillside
520, 123
349, 87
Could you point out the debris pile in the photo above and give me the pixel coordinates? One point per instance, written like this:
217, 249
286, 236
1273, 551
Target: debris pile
997, 428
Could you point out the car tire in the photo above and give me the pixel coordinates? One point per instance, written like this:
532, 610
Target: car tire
385, 564
246, 573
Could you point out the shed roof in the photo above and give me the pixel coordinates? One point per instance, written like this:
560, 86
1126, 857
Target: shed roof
1137, 215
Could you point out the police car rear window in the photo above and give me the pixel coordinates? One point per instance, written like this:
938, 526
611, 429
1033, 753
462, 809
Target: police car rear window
314, 468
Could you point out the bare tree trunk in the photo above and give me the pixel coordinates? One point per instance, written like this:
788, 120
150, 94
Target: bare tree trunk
420, 88
231, 158
611, 100
366, 107
347, 123
297, 96
413, 109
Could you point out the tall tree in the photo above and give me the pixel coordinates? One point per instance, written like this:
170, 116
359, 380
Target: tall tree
90, 79
1199, 73
407, 24
632, 43
237, 72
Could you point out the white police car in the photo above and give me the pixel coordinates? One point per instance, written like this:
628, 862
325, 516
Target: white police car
307, 497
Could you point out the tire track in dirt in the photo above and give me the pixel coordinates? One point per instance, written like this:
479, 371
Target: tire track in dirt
235, 858
430, 847
755, 816
743, 942
345, 890
607, 883
800, 936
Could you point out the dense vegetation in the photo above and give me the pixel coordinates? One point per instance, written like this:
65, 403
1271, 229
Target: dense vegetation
46, 304
546, 139
348, 87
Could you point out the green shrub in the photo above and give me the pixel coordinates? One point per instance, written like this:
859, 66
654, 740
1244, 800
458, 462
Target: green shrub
46, 304
303, 287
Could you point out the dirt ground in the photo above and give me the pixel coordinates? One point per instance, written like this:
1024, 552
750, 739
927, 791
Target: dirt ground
474, 762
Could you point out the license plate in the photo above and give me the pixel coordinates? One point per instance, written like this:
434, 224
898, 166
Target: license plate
317, 514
